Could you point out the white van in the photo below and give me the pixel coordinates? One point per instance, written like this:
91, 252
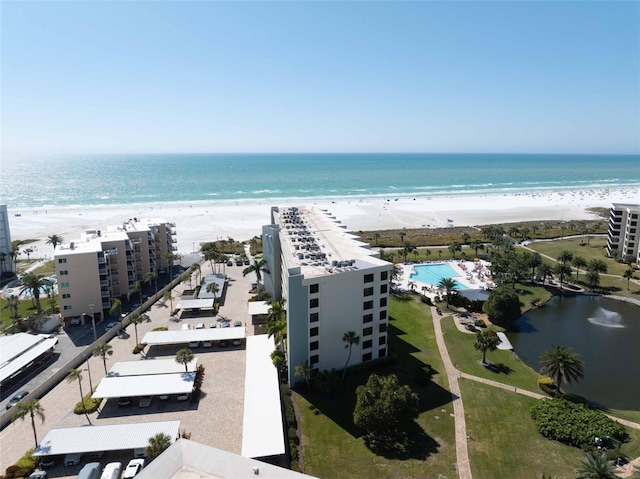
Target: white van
90, 470
111, 471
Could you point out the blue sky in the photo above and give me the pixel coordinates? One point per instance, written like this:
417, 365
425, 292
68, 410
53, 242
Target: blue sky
129, 77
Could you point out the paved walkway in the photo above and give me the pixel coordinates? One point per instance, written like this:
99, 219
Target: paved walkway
454, 375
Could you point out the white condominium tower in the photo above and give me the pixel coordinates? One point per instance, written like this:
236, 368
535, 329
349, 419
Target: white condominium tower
5, 241
103, 264
623, 237
332, 283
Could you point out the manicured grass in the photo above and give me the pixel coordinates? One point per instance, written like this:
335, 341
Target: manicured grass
25, 308
46, 269
504, 441
465, 357
333, 447
633, 416
594, 250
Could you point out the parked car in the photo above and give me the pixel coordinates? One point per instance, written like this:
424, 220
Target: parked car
213, 325
223, 344
111, 471
471, 327
194, 344
47, 461
90, 470
225, 324
145, 401
38, 475
207, 344
480, 323
163, 397
72, 459
76, 321
182, 397
16, 399
246, 262
139, 452
133, 468
236, 342
237, 324
239, 262
229, 262
110, 325
200, 326
125, 402
185, 327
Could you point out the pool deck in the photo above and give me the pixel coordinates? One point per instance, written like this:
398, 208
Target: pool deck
469, 274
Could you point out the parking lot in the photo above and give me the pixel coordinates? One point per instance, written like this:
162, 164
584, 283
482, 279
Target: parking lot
215, 419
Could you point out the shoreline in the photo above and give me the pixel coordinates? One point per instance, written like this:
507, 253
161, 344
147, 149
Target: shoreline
202, 221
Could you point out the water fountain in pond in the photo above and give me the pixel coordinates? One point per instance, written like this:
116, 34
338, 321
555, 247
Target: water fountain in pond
609, 319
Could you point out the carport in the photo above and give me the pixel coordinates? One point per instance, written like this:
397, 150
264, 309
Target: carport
151, 385
158, 338
115, 437
150, 366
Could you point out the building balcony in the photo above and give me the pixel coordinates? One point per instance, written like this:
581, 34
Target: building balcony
173, 240
102, 271
104, 282
171, 225
102, 259
106, 305
174, 248
105, 294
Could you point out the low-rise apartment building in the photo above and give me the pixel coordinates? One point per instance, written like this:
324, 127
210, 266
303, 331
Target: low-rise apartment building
332, 283
623, 238
103, 265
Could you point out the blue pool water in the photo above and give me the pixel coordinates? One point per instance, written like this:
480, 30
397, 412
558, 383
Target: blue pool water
433, 273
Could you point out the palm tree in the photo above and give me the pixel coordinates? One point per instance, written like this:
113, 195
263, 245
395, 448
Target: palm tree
103, 350
167, 296
33, 409
278, 359
136, 287
545, 271
135, 319
258, 267
533, 262
377, 237
563, 270
116, 307
476, 245
170, 257
486, 341
157, 445
565, 256
213, 288
76, 375
596, 466
578, 262
412, 285
406, 249
13, 304
628, 275
195, 267
597, 265
453, 247
562, 364
152, 276
350, 338
54, 240
303, 371
277, 320
28, 252
31, 283
184, 356
448, 284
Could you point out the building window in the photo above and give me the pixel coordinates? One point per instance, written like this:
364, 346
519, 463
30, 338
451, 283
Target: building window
382, 353
314, 359
313, 332
314, 288
384, 276
368, 278
67, 307
314, 346
367, 344
383, 288
382, 340
66, 295
383, 302
64, 284
313, 317
367, 305
366, 357
368, 291
367, 318
367, 331
383, 327
313, 303
62, 260
64, 272
383, 314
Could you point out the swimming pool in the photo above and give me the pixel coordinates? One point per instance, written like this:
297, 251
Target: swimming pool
433, 273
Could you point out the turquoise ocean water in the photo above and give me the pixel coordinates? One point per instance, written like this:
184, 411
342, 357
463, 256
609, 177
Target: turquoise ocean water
128, 179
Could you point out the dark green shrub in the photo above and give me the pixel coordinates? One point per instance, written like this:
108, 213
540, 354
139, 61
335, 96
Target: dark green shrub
293, 436
138, 349
88, 405
574, 424
295, 466
27, 462
161, 328
293, 449
426, 300
575, 398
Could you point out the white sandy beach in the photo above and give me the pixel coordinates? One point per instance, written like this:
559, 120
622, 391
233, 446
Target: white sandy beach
206, 221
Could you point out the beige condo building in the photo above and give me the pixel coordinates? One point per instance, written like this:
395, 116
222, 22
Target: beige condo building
104, 264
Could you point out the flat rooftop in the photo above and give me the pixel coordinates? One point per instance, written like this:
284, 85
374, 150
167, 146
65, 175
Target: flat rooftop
150, 366
151, 385
17, 351
115, 437
317, 243
158, 338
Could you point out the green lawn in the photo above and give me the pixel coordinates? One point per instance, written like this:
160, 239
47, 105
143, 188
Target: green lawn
465, 357
594, 250
25, 309
333, 447
504, 441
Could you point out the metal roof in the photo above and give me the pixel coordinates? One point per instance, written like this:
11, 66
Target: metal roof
188, 335
262, 433
152, 385
115, 437
219, 279
258, 307
17, 351
150, 366
195, 303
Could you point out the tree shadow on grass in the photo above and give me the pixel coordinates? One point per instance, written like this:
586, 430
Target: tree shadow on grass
415, 443
499, 368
